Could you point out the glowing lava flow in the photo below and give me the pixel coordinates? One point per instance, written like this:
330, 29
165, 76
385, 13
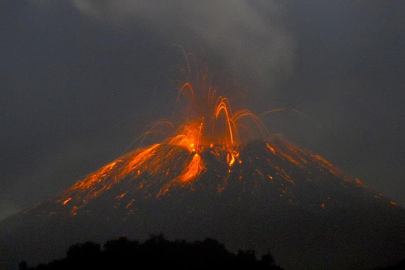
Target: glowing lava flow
193, 169
208, 122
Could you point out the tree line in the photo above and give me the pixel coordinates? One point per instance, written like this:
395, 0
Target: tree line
157, 253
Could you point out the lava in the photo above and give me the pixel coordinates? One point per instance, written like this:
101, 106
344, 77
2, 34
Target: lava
209, 122
209, 128
189, 173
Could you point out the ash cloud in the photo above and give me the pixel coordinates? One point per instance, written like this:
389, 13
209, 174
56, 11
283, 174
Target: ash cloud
249, 36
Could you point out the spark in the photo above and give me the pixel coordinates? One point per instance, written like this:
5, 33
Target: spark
207, 122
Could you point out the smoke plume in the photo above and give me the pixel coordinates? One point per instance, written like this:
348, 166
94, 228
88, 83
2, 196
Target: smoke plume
250, 37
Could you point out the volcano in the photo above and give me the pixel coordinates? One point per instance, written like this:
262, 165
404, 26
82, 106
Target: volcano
274, 197
219, 175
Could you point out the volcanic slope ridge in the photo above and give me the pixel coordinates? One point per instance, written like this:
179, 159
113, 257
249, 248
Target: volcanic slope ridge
268, 196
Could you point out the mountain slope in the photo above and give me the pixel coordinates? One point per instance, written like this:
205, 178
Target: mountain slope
268, 196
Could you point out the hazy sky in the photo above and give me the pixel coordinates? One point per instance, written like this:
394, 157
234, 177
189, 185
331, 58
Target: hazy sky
81, 79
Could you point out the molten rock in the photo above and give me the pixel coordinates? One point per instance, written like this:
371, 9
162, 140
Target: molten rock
265, 195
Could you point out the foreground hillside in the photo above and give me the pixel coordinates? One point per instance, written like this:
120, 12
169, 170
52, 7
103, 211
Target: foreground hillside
275, 197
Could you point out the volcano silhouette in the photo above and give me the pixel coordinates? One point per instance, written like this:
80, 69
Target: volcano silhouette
275, 197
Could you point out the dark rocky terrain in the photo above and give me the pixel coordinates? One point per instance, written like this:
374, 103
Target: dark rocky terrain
275, 198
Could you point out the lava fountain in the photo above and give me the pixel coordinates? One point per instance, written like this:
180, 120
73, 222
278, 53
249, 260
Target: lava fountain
209, 123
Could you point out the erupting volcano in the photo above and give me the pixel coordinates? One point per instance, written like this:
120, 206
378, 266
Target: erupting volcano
210, 128
220, 175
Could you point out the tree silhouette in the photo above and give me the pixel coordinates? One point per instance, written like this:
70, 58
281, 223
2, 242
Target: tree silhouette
156, 253
399, 266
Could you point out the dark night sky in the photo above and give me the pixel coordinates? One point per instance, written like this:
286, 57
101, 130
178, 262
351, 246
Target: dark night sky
80, 79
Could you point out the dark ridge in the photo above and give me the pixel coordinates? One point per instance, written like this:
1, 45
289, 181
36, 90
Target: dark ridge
278, 198
156, 253
398, 266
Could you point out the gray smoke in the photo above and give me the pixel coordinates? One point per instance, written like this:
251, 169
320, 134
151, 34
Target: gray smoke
250, 36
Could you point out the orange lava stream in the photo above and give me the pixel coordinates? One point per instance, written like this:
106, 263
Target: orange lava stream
189, 173
208, 122
192, 170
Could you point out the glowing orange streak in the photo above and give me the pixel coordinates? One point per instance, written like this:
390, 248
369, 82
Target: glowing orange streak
150, 131
195, 63
235, 129
272, 149
181, 139
239, 125
190, 87
200, 127
223, 106
192, 170
291, 159
212, 94
185, 55
185, 141
246, 113
230, 159
66, 201
87, 188
94, 177
273, 111
226, 103
189, 137
291, 110
189, 173
138, 160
